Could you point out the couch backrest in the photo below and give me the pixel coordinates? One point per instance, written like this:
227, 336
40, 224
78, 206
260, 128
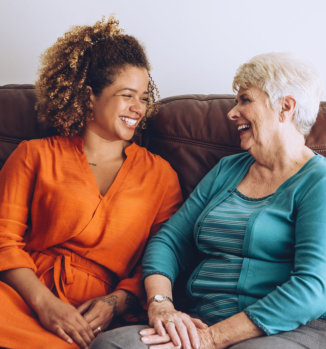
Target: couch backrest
190, 131
193, 133
17, 118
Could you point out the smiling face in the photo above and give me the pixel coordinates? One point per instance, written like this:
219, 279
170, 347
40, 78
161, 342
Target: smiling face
121, 106
257, 123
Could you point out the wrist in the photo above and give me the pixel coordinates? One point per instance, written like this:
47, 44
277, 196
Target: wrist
121, 301
40, 300
159, 298
161, 307
220, 337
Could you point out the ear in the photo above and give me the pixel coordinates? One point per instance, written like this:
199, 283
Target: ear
288, 105
91, 94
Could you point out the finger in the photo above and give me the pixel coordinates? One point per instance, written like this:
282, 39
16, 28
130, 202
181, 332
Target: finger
63, 335
91, 315
174, 334
86, 331
83, 307
147, 331
80, 338
155, 339
188, 334
159, 327
97, 330
198, 323
81, 332
169, 345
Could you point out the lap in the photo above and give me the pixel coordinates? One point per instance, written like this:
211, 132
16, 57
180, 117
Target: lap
124, 338
310, 336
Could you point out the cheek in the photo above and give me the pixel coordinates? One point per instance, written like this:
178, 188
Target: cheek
143, 110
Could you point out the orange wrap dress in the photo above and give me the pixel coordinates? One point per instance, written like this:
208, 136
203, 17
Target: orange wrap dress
81, 244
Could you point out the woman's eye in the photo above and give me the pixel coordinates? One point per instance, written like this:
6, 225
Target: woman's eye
128, 96
145, 99
245, 100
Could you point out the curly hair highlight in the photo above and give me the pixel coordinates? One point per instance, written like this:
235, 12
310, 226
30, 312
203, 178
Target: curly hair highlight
85, 56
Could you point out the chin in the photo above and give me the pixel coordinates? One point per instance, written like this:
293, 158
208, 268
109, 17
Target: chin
244, 146
127, 137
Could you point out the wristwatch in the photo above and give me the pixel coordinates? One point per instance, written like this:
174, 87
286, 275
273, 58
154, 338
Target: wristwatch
159, 298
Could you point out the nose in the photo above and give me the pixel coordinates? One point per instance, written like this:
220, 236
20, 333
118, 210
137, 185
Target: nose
233, 114
138, 107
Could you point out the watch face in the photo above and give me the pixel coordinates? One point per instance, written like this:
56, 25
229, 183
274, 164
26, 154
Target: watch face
158, 298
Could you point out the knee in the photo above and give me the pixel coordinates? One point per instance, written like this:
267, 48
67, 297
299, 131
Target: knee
120, 338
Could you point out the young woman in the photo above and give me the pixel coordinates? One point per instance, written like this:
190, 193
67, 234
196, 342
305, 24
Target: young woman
77, 209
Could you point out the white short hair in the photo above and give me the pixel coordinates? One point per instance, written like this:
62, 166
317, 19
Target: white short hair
283, 74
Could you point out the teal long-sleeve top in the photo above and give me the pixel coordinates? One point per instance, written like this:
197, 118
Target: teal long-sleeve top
282, 282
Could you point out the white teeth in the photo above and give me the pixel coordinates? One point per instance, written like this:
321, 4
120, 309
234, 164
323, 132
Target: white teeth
243, 127
129, 121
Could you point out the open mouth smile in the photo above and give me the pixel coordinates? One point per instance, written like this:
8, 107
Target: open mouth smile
129, 121
244, 127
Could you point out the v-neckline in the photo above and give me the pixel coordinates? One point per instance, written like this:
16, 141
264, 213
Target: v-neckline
121, 174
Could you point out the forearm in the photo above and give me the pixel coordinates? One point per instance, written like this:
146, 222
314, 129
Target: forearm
158, 284
235, 329
27, 284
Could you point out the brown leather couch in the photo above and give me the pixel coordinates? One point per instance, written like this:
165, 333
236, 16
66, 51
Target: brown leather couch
190, 131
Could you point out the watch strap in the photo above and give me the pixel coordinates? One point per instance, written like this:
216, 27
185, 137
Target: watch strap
159, 298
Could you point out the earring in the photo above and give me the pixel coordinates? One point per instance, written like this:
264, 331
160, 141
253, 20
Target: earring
281, 117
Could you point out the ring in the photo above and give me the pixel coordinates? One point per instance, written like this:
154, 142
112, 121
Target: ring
97, 330
167, 321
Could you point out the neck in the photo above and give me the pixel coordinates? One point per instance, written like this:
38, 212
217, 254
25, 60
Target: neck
283, 155
98, 149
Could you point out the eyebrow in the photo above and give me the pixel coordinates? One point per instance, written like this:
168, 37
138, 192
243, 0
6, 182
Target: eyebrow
243, 94
131, 90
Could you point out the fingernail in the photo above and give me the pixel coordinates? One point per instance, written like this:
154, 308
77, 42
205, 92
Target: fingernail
69, 341
144, 339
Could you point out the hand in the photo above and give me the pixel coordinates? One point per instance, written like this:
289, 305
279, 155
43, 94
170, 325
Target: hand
175, 326
65, 321
149, 336
99, 312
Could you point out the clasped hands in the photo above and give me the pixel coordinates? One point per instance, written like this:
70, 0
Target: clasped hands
174, 329
79, 325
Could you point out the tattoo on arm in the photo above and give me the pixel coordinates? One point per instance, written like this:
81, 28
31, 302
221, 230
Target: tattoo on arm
112, 301
130, 301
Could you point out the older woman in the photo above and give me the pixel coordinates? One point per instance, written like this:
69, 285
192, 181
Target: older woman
76, 209
258, 220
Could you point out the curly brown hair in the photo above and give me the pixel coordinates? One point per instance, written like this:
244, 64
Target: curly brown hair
85, 56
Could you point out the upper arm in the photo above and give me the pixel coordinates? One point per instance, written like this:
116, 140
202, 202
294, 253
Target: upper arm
172, 248
17, 179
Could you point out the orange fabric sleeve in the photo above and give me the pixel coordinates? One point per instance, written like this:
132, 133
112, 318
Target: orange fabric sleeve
17, 179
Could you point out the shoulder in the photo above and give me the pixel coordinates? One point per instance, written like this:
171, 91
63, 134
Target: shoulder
47, 143
147, 158
314, 170
43, 149
238, 159
310, 181
318, 163
232, 164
